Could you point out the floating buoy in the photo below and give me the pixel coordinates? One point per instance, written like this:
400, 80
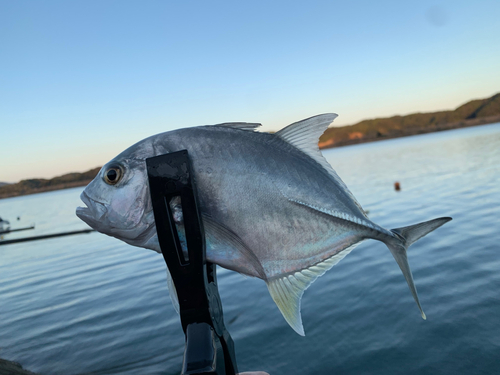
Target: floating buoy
397, 187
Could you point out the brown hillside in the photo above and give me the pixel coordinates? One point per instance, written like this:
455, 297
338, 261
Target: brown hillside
475, 112
39, 185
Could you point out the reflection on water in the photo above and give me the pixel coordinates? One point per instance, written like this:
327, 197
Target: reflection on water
91, 304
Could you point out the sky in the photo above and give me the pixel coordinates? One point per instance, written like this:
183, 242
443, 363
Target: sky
80, 81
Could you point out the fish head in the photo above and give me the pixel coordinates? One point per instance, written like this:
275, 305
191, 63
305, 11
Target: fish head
118, 202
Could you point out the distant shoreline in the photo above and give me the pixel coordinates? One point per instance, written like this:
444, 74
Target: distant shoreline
331, 143
17, 190
44, 189
322, 145
40, 185
474, 113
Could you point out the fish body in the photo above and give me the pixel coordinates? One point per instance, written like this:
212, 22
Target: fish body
272, 207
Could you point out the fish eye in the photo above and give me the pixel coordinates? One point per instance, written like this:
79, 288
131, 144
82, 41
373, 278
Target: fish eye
113, 175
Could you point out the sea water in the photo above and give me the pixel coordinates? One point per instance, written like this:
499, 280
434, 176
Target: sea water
90, 304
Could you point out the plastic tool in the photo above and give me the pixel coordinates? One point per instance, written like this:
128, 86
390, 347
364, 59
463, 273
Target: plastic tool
209, 347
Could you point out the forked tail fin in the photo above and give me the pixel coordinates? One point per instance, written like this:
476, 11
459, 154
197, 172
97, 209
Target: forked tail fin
404, 238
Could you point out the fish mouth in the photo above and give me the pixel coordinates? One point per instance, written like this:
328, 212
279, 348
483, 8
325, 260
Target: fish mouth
83, 213
93, 210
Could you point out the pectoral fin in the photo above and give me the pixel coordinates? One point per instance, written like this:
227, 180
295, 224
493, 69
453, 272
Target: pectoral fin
226, 249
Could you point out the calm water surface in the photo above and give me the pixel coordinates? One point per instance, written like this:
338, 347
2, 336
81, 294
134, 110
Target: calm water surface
91, 304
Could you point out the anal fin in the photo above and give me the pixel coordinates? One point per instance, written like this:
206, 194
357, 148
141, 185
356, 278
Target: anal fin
287, 290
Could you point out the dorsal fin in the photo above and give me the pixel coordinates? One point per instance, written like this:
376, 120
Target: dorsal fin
305, 136
287, 290
251, 126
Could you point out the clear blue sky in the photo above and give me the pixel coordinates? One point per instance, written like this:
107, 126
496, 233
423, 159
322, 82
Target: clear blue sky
82, 80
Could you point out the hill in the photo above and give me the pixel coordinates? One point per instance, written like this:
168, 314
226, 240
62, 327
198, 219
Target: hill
475, 112
39, 185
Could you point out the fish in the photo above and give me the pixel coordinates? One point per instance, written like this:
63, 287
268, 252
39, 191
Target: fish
272, 207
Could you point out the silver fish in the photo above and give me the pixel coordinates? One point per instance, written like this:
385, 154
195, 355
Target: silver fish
272, 207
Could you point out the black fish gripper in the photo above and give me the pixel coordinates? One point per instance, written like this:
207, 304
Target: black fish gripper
209, 347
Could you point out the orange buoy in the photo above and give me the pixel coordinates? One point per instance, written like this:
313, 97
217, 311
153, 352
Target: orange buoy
397, 186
